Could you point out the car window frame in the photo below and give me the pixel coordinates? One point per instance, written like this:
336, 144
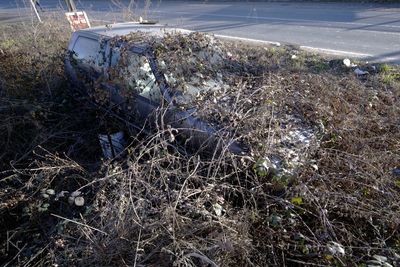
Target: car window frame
147, 52
102, 50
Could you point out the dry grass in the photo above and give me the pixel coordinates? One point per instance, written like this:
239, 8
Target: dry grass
158, 207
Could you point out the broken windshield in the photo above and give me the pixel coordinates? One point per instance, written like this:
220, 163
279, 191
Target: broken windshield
137, 77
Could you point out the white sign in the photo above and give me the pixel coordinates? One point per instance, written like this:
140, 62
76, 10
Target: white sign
78, 20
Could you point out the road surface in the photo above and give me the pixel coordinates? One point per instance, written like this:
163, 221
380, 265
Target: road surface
357, 30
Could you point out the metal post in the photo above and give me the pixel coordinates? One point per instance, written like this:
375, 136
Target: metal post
70, 5
36, 12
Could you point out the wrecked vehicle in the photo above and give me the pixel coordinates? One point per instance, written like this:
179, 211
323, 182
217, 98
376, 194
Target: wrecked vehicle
204, 92
124, 75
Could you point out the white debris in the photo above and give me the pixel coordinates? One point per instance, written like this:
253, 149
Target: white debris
315, 167
380, 258
292, 144
217, 209
379, 261
76, 193
50, 192
76, 199
360, 72
336, 249
347, 62
61, 194
294, 57
79, 201
300, 136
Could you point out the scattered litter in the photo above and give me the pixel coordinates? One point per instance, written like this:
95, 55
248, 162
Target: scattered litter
76, 193
275, 220
360, 72
76, 199
336, 249
380, 258
379, 261
79, 201
217, 209
50, 192
46, 193
314, 166
294, 57
61, 194
347, 62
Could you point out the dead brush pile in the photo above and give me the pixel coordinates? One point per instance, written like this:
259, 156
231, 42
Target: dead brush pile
38, 117
318, 188
218, 84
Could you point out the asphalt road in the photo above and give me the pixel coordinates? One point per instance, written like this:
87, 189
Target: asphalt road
356, 30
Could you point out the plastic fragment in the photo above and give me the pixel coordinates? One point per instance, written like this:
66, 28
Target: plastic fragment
360, 72
79, 201
217, 209
50, 192
347, 62
76, 193
336, 249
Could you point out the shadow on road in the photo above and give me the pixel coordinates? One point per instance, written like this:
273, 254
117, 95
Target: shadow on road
392, 57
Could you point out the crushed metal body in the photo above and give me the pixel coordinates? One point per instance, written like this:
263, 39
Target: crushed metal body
190, 78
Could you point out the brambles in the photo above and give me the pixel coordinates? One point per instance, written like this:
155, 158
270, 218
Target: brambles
339, 205
220, 85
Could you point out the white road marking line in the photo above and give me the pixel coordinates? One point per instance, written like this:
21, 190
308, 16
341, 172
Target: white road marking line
335, 52
309, 48
247, 39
